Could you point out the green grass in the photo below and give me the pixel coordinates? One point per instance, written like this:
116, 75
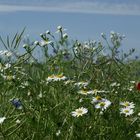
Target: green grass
47, 107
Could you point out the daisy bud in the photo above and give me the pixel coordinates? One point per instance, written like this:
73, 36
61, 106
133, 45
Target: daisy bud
59, 27
25, 46
65, 35
103, 35
48, 32
36, 43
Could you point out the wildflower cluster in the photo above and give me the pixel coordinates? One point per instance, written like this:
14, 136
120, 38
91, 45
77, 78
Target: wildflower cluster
127, 108
100, 103
73, 91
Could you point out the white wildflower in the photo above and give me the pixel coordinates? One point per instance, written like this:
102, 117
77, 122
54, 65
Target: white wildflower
65, 35
36, 43
138, 135
56, 78
126, 111
44, 43
79, 112
86, 92
18, 121
48, 32
128, 104
103, 105
2, 119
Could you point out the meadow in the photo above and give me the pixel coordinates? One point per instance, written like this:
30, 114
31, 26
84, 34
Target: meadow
74, 91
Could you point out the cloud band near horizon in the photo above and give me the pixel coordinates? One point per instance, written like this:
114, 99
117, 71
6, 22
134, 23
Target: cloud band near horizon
77, 7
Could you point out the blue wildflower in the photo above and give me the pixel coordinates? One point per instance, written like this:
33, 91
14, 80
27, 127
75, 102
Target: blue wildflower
17, 103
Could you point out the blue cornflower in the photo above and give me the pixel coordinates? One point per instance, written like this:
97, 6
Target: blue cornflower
17, 103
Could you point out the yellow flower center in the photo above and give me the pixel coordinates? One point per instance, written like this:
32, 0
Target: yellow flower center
126, 111
79, 112
126, 104
102, 104
52, 76
59, 76
98, 98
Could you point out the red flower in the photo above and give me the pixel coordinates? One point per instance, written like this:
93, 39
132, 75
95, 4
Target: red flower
138, 86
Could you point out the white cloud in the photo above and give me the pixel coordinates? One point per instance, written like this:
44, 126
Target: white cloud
78, 7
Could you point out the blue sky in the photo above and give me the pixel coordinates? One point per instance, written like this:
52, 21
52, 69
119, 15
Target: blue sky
83, 19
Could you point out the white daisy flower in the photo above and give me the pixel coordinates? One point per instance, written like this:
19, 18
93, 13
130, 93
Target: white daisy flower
2, 119
127, 104
103, 105
79, 112
126, 111
85, 92
56, 78
50, 78
138, 135
60, 77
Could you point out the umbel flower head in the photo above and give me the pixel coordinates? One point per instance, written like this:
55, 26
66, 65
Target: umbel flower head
17, 103
79, 112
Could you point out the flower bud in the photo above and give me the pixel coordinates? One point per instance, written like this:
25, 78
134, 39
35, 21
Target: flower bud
48, 32
36, 43
59, 27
